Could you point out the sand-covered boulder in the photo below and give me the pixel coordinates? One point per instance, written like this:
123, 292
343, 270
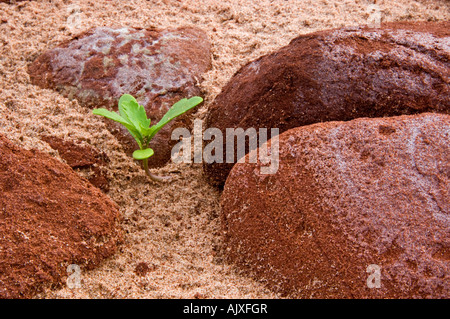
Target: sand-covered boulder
350, 201
49, 218
158, 67
338, 75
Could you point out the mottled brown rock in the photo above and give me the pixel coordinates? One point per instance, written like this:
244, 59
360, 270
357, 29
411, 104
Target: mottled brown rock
347, 195
338, 75
158, 67
82, 157
49, 218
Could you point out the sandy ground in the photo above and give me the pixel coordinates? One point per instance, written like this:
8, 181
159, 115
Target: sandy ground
174, 228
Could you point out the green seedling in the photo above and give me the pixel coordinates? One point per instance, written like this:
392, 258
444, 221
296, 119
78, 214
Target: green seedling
133, 117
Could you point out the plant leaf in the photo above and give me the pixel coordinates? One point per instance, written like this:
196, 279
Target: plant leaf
130, 109
116, 117
179, 108
134, 118
146, 131
125, 99
110, 115
142, 154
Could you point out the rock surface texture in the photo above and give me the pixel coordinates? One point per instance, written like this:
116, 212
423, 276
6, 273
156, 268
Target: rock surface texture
338, 75
49, 218
11, 1
83, 157
158, 67
347, 196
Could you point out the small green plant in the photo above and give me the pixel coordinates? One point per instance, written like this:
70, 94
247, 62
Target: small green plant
133, 117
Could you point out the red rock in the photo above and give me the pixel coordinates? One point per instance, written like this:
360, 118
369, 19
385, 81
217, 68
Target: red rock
82, 157
75, 154
347, 195
338, 75
158, 67
49, 218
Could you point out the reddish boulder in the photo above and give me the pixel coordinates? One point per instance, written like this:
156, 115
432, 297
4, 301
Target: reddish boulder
338, 75
158, 67
348, 198
49, 218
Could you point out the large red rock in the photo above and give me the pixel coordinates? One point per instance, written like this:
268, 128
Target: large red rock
49, 218
75, 154
347, 195
158, 67
338, 75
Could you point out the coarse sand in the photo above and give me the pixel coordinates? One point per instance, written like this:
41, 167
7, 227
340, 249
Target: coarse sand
175, 229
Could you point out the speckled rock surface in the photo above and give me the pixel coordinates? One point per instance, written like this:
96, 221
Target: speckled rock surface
338, 75
158, 67
49, 218
348, 195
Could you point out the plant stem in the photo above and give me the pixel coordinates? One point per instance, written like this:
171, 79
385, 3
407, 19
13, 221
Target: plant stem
153, 177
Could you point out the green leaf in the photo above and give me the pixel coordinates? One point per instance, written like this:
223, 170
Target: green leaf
134, 118
137, 136
142, 154
116, 117
125, 99
110, 115
134, 113
179, 108
146, 131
